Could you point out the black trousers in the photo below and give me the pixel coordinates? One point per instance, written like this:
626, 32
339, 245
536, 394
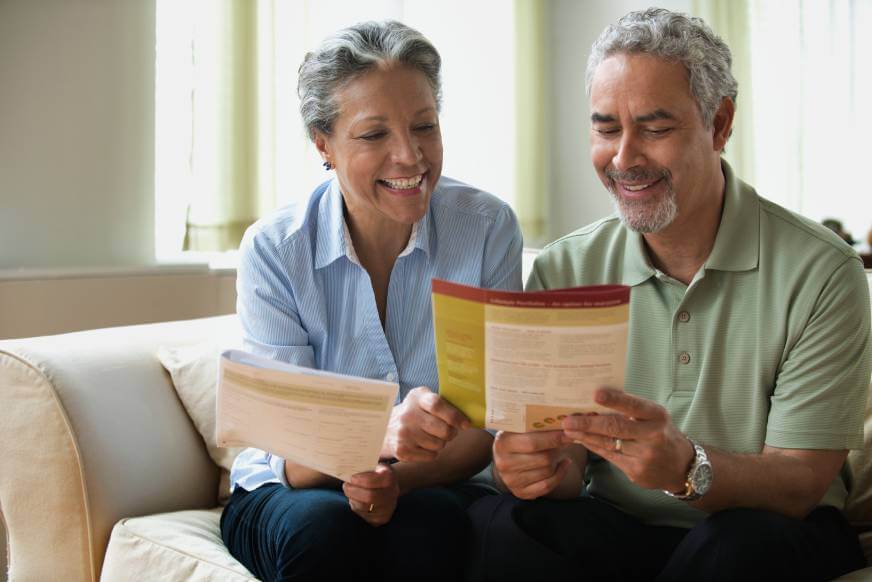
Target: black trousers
587, 539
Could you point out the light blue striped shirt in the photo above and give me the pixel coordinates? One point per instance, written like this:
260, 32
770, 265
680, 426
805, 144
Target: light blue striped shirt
304, 298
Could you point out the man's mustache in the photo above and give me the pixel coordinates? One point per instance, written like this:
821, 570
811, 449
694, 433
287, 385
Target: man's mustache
638, 175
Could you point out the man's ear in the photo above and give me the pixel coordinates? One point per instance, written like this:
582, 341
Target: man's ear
722, 125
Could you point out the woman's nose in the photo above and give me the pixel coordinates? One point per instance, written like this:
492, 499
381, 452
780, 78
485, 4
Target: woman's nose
406, 149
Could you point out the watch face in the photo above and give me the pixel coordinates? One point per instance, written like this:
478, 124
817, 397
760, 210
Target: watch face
702, 478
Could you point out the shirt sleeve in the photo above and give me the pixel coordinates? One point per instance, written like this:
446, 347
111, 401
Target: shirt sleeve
821, 389
502, 253
268, 313
266, 305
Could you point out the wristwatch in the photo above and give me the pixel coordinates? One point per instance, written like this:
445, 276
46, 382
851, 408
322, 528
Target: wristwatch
699, 478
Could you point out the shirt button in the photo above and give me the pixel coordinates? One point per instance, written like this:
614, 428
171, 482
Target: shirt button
684, 358
683, 317
390, 377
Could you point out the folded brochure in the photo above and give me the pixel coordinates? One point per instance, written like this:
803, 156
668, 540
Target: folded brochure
522, 361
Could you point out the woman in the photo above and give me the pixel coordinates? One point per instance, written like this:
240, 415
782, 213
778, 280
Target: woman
347, 289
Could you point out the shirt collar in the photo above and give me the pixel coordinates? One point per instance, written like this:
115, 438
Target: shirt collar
736, 245
334, 239
637, 267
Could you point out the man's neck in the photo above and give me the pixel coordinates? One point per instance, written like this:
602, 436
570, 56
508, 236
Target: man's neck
683, 247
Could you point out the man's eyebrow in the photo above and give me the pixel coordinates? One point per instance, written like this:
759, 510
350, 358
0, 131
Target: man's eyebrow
655, 115
600, 118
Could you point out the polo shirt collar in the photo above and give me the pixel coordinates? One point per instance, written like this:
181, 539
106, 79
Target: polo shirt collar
637, 267
737, 244
333, 239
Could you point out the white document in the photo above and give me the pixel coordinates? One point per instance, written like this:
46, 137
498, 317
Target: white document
328, 422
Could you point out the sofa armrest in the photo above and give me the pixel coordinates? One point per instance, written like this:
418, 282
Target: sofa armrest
91, 431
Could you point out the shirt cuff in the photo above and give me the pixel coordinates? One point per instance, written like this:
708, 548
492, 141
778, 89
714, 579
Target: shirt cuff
277, 464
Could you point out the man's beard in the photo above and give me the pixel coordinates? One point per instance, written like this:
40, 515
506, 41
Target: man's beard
644, 216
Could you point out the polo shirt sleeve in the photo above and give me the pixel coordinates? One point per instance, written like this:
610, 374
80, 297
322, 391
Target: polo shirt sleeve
502, 253
821, 389
266, 304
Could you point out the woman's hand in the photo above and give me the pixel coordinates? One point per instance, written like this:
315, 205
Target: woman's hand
421, 426
373, 495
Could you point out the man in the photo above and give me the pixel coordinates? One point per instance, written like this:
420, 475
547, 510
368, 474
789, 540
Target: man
748, 356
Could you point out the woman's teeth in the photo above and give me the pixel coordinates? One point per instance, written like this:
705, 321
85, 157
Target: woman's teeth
404, 183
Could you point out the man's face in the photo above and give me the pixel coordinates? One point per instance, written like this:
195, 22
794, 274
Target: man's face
648, 142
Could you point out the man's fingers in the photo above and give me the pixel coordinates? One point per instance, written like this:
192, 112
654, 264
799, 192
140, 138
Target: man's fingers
528, 442
629, 405
544, 486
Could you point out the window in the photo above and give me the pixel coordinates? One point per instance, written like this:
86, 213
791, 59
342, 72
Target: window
229, 142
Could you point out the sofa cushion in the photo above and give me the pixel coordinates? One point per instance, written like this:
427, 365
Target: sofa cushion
194, 370
184, 545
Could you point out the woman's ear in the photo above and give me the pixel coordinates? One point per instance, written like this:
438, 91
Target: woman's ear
323, 146
723, 123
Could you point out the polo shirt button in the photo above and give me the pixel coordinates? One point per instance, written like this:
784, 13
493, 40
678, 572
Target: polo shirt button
683, 317
684, 358
390, 377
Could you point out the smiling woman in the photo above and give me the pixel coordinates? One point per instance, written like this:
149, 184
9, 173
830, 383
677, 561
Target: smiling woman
346, 288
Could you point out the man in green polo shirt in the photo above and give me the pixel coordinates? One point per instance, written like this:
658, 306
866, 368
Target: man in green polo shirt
748, 358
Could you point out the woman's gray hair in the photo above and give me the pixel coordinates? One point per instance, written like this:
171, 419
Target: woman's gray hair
352, 52
676, 37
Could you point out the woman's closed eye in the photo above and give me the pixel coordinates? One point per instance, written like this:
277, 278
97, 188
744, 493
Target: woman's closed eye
373, 135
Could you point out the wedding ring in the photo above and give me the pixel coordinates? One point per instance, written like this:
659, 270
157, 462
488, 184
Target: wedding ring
619, 444
371, 507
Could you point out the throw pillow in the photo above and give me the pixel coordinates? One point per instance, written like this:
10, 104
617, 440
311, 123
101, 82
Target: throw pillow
194, 371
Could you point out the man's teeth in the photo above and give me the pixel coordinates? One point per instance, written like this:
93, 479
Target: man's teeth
636, 188
404, 183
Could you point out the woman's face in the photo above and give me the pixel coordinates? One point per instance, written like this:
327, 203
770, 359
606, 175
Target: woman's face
386, 146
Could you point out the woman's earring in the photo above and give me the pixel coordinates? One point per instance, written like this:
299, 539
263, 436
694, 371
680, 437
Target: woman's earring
327, 165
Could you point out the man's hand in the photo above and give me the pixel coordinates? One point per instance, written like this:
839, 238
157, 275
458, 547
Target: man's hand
640, 440
373, 495
531, 464
421, 426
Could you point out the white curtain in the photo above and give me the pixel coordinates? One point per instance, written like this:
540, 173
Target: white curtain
230, 145
805, 73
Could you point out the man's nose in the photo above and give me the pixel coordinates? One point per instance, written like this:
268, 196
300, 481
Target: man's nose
629, 153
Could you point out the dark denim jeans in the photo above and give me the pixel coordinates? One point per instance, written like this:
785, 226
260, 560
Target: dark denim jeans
587, 539
312, 534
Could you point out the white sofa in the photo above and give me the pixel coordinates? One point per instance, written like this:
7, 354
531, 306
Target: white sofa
95, 441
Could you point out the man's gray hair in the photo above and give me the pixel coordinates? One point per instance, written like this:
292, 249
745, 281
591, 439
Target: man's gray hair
675, 37
356, 50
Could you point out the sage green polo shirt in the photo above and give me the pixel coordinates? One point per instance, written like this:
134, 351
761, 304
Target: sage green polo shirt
769, 344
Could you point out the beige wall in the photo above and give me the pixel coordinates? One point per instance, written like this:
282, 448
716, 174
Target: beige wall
77, 301
76, 133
